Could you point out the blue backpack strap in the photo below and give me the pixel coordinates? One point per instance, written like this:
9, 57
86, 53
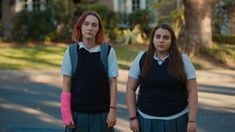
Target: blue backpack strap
141, 62
104, 52
73, 48
73, 53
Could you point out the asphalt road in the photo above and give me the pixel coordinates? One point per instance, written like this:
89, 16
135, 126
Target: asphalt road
29, 101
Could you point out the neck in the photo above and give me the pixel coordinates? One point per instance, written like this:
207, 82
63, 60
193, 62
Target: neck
89, 43
161, 55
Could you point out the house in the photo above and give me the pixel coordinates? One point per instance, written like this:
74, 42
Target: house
8, 8
126, 6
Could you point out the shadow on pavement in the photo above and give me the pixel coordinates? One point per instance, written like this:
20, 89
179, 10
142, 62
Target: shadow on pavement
30, 106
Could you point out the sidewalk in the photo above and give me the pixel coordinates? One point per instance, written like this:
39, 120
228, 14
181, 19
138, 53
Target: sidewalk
29, 101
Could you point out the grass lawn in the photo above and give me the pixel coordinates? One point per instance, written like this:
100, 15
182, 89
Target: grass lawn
38, 57
31, 57
48, 57
126, 54
223, 53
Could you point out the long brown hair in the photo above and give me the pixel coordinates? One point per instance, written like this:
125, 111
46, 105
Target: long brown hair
77, 33
175, 65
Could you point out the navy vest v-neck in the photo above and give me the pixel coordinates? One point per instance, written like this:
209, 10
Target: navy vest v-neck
90, 86
161, 94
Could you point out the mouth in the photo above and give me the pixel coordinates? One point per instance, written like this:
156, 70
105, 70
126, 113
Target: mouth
160, 46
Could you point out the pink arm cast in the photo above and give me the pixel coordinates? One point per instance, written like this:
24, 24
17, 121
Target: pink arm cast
66, 113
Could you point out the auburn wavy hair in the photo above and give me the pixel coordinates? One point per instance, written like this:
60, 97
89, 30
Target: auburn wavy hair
77, 29
175, 65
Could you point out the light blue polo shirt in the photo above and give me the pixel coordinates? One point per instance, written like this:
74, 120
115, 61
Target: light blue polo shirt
188, 66
66, 67
135, 74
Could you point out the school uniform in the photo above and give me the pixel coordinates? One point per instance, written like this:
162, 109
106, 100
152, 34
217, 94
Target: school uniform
90, 92
162, 101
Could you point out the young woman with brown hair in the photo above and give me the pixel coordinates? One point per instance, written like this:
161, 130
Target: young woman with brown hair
167, 97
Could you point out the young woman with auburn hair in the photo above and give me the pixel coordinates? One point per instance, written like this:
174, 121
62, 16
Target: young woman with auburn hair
89, 96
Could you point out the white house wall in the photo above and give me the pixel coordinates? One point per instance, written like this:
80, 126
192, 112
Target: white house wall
126, 5
19, 5
143, 4
115, 5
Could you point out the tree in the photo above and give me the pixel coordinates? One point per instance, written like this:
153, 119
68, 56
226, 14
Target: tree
197, 30
224, 16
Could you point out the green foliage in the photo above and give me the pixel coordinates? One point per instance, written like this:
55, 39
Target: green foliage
109, 18
33, 25
64, 21
219, 11
100, 9
141, 17
221, 52
195, 63
175, 19
224, 39
1, 28
172, 16
162, 4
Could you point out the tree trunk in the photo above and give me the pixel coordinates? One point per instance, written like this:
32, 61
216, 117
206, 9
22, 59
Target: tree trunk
197, 30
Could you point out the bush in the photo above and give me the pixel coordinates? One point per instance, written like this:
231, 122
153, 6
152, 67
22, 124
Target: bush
223, 53
109, 18
102, 10
35, 25
142, 18
224, 39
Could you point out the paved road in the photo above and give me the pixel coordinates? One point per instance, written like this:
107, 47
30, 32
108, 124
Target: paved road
29, 101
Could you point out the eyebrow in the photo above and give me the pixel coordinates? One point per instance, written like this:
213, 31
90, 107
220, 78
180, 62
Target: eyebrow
90, 22
162, 35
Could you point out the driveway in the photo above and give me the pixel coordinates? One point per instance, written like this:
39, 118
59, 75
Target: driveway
29, 101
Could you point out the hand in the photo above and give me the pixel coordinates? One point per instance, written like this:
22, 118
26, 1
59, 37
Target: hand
111, 118
67, 118
191, 127
66, 109
134, 125
71, 124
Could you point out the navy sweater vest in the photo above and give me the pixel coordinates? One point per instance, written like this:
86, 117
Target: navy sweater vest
90, 86
161, 94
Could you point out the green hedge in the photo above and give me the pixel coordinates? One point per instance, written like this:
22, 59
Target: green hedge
109, 18
224, 39
34, 25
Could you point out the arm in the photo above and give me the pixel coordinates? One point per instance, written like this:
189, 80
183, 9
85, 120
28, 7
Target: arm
131, 87
111, 118
66, 83
66, 102
192, 103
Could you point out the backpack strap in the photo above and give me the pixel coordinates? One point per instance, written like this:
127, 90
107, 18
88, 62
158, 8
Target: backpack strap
73, 49
73, 53
141, 62
104, 52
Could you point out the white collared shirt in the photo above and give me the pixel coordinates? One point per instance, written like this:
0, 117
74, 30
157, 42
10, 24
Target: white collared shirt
66, 67
135, 74
189, 69
160, 61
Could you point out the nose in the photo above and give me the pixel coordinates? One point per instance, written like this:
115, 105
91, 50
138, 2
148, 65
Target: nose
89, 27
161, 39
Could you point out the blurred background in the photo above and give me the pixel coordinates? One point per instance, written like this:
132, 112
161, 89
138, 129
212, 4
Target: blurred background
35, 33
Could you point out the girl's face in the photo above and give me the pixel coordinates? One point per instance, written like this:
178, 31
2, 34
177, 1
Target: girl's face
90, 27
162, 41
